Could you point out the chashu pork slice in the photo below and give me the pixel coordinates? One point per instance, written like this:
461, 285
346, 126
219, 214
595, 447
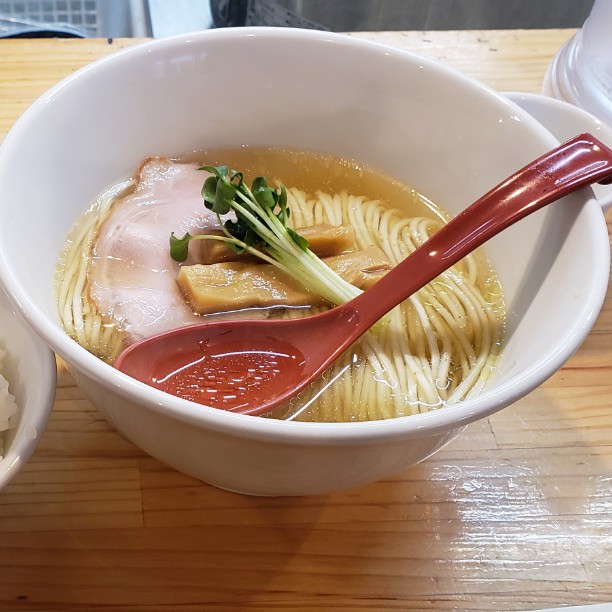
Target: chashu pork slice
131, 274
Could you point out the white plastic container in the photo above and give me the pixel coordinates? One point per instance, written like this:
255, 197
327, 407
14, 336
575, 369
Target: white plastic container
581, 72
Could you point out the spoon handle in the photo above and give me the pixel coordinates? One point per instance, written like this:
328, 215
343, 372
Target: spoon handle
581, 161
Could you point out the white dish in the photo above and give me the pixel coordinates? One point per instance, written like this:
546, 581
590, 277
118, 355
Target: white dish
31, 372
565, 120
448, 136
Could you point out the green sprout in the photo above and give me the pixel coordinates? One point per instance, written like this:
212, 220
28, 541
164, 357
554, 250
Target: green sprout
259, 226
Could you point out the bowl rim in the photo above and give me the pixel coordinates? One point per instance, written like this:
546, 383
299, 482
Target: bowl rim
24, 444
291, 432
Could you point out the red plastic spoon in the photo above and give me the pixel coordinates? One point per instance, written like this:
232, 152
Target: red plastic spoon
252, 367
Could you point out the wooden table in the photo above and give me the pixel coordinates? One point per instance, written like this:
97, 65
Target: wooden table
515, 515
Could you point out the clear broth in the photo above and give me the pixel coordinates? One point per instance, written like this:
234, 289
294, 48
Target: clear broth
313, 172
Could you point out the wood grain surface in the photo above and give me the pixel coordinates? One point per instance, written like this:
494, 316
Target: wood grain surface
515, 515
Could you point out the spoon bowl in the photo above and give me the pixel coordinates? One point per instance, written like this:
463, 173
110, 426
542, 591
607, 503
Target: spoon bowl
253, 367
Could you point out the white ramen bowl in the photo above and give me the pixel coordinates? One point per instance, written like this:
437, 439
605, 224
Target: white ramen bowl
29, 367
420, 122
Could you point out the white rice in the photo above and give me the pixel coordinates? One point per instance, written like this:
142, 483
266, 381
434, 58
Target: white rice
8, 407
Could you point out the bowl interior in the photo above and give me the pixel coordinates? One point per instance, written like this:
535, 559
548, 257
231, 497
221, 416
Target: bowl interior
450, 138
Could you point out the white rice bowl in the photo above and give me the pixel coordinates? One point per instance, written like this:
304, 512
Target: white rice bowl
8, 406
27, 391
